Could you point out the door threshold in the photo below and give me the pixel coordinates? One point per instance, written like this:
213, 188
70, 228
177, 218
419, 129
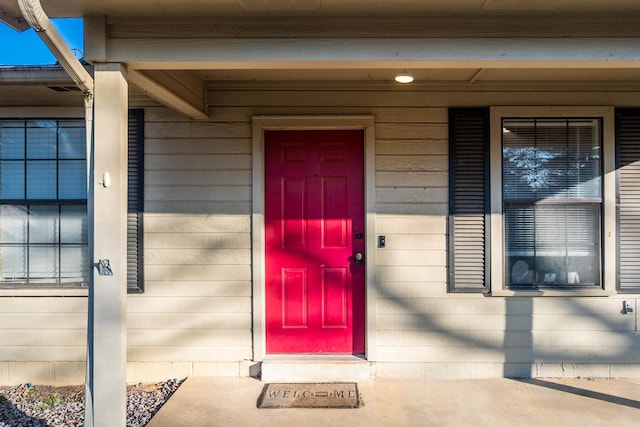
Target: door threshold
293, 368
317, 356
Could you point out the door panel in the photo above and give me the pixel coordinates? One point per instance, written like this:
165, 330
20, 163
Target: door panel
314, 224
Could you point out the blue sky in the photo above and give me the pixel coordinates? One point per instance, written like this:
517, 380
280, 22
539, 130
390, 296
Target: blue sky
26, 48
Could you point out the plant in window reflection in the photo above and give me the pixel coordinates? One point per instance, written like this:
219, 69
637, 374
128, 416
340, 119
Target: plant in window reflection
532, 165
528, 161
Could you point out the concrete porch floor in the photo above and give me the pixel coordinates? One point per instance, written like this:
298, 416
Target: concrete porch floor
204, 401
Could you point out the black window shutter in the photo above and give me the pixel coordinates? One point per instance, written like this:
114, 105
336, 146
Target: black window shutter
469, 200
135, 202
628, 198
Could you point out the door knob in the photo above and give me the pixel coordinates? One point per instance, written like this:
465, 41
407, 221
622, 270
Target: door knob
359, 258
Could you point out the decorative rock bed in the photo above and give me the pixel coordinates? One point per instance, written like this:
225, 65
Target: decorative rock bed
29, 405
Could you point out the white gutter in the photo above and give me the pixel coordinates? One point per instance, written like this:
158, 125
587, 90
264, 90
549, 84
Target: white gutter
44, 28
39, 21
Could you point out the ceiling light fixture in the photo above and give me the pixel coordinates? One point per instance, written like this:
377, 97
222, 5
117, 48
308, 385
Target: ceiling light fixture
404, 77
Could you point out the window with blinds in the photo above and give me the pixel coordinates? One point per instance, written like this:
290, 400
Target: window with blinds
552, 201
43, 203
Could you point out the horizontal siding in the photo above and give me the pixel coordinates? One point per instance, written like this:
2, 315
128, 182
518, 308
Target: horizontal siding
188, 193
42, 305
388, 179
390, 257
405, 273
167, 223
416, 147
474, 354
227, 113
418, 322
384, 96
411, 195
197, 301
411, 225
42, 329
26, 319
191, 337
197, 233
517, 306
189, 304
182, 146
186, 321
411, 319
198, 256
157, 162
198, 240
197, 206
201, 288
43, 353
163, 353
43, 337
189, 177
497, 339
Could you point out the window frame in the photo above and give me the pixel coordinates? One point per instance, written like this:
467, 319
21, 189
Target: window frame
608, 236
43, 113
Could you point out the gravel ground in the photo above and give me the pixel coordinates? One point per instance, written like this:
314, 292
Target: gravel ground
29, 405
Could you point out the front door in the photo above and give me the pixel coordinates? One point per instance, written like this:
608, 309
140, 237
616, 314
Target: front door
314, 234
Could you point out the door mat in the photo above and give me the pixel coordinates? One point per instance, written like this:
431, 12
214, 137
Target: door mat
315, 395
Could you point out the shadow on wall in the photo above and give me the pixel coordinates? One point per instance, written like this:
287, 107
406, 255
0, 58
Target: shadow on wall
203, 320
518, 349
229, 193
519, 352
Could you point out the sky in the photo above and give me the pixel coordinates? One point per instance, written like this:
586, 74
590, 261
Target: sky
27, 48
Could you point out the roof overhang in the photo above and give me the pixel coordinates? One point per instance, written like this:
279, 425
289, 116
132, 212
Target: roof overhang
78, 8
45, 86
173, 50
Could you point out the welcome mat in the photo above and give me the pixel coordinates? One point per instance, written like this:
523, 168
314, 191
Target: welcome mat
316, 395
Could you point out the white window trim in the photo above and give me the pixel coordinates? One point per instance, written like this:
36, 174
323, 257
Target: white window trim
498, 287
43, 113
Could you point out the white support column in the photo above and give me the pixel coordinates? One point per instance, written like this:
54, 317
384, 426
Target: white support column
106, 337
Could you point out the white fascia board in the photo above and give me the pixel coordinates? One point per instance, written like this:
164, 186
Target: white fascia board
324, 53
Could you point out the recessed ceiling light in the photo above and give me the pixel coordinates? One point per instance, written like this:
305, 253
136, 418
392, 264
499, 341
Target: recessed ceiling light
404, 77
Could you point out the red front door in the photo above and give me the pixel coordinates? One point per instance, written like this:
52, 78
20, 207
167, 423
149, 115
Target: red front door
314, 226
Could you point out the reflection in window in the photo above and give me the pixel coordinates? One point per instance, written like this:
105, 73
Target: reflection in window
552, 201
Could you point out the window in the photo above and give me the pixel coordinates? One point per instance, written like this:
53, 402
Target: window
551, 201
43, 203
532, 206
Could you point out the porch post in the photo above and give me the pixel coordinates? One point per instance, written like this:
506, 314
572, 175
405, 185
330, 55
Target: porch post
105, 402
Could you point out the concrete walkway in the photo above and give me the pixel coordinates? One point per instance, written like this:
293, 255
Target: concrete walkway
387, 402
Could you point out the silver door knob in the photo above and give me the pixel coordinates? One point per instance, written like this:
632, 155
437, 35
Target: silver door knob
359, 258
